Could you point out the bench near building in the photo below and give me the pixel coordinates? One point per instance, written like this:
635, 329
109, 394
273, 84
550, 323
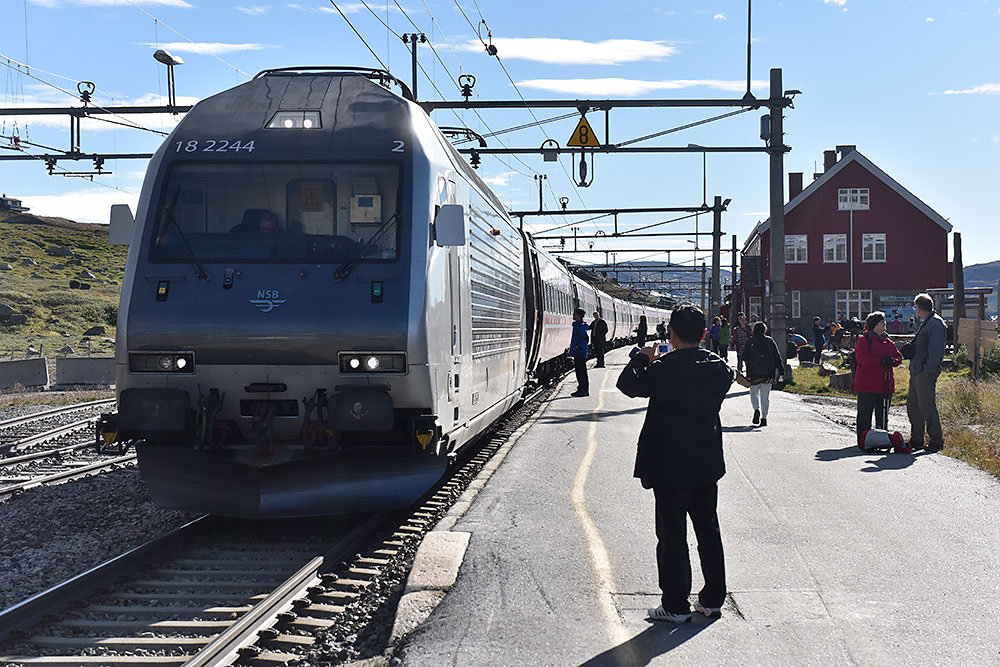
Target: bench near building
855, 241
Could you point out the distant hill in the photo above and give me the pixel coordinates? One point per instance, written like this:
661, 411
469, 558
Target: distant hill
656, 277
40, 258
984, 275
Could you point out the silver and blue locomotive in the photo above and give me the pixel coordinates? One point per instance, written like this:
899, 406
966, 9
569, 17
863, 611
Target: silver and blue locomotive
323, 302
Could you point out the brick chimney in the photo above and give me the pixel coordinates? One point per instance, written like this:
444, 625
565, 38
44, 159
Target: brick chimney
794, 184
829, 159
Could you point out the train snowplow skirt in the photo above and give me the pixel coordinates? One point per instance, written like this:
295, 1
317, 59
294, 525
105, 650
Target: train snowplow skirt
359, 480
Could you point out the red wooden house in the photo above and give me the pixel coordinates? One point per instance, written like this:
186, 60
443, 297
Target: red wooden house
855, 241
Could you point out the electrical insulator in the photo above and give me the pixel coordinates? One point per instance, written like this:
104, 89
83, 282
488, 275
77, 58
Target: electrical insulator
466, 82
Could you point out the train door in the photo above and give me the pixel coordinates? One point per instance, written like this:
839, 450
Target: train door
455, 300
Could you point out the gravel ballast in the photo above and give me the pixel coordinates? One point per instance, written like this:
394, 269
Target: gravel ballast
51, 533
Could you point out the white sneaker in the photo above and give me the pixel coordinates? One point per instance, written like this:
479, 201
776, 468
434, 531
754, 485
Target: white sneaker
658, 613
708, 612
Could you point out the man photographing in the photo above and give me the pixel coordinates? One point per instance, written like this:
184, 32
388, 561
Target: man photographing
680, 457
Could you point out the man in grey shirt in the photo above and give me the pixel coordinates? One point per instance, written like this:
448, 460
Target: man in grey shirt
925, 366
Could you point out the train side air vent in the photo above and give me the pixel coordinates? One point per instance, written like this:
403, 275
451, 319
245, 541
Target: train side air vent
295, 120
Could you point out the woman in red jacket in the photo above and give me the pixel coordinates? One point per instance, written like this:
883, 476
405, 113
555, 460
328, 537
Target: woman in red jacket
876, 355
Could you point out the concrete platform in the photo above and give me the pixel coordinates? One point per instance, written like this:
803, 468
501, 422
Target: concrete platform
833, 556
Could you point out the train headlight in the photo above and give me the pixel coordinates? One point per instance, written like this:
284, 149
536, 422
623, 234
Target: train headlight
372, 362
295, 120
161, 362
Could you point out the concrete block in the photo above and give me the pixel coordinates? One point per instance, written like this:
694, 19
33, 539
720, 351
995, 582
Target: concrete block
435, 569
32, 373
85, 370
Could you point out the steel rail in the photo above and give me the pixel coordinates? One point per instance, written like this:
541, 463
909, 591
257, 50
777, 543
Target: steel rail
225, 648
52, 413
33, 609
51, 434
35, 456
64, 475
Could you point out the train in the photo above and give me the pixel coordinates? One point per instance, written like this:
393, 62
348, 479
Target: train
323, 302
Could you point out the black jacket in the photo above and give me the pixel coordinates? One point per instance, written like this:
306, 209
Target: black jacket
762, 358
598, 331
680, 444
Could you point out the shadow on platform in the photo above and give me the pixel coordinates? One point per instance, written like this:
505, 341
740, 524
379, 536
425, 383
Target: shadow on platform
659, 638
740, 429
587, 416
885, 461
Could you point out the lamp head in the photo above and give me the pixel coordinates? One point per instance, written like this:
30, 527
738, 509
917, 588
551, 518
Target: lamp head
164, 57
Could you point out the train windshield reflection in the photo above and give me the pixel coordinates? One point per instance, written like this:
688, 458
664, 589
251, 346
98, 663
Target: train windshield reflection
278, 213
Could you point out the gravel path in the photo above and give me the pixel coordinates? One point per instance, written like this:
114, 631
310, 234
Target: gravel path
50, 533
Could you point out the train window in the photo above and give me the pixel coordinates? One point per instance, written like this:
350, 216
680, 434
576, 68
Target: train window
278, 213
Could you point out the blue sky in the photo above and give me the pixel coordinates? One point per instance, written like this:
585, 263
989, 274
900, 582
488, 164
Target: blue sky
912, 83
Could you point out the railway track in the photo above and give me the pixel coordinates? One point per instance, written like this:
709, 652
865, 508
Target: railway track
28, 431
54, 466
216, 593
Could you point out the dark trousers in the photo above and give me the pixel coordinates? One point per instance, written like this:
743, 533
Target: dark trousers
818, 358
672, 559
867, 403
921, 407
599, 351
580, 364
724, 352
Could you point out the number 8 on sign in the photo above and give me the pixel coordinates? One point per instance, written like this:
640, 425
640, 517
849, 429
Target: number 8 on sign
583, 135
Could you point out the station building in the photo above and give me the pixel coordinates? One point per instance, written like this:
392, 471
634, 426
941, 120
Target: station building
855, 241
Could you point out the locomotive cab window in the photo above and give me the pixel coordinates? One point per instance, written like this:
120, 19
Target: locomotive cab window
279, 213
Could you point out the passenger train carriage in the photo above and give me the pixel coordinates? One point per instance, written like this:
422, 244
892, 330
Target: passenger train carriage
323, 302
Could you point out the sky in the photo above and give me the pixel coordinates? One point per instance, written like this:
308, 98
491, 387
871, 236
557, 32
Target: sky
912, 83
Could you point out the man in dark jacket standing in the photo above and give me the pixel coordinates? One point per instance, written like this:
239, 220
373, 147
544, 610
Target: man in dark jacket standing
925, 366
599, 338
680, 457
578, 350
819, 340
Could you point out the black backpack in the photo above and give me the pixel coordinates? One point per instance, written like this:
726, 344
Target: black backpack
760, 359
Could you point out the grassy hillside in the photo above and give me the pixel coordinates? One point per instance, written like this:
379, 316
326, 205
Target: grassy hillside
38, 285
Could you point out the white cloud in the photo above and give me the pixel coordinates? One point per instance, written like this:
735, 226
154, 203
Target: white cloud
575, 51
90, 205
55, 4
255, 10
719, 17
500, 180
325, 9
839, 3
996, 138
982, 89
929, 19
628, 87
209, 48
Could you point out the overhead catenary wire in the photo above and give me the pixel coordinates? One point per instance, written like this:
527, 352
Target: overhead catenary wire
348, 21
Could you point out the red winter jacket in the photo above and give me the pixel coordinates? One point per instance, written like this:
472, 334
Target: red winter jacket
870, 376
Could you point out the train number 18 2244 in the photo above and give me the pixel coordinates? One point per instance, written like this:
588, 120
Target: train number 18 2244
213, 146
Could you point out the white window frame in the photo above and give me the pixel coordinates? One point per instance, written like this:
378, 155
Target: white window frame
799, 245
875, 241
755, 307
853, 199
854, 303
796, 304
836, 242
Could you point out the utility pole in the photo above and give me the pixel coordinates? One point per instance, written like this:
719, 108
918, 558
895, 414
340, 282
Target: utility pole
575, 230
733, 308
413, 38
776, 149
703, 286
716, 255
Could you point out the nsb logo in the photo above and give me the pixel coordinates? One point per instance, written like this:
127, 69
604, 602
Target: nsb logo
267, 300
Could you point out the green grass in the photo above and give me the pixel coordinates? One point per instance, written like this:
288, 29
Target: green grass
57, 315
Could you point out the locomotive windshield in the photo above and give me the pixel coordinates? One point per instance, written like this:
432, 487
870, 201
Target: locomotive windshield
278, 213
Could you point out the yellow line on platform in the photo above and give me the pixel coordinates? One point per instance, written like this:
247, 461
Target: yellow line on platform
598, 552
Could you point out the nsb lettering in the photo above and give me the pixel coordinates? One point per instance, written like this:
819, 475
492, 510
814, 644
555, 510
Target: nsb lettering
267, 294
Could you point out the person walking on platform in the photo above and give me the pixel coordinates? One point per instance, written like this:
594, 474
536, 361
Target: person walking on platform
578, 350
599, 338
764, 366
713, 335
724, 335
876, 355
819, 340
640, 332
740, 335
925, 366
680, 458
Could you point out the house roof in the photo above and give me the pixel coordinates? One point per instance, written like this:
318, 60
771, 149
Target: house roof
854, 156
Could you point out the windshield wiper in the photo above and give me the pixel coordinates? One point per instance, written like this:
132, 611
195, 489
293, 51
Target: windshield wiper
168, 212
346, 267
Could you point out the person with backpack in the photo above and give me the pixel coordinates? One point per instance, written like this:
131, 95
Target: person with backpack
764, 366
875, 356
724, 334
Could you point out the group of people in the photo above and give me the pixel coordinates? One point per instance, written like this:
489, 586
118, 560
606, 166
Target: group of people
679, 454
